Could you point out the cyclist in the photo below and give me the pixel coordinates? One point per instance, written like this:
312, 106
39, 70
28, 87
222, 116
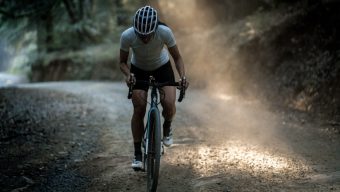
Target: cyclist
147, 39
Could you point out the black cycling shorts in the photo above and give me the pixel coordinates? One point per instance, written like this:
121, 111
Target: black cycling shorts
162, 74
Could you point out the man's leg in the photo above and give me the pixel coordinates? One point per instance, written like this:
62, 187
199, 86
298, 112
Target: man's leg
137, 124
169, 111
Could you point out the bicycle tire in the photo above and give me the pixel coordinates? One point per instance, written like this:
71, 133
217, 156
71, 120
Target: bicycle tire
154, 151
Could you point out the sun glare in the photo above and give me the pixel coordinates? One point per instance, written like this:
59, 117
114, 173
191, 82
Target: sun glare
224, 97
237, 155
244, 156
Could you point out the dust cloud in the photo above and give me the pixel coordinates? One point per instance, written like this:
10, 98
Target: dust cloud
207, 55
234, 129
202, 44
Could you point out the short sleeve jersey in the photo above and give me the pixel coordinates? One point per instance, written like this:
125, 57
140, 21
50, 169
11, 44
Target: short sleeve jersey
152, 55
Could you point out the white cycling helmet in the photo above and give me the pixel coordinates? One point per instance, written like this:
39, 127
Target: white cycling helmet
145, 21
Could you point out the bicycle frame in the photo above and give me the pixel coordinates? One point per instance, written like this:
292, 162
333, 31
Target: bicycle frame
153, 107
152, 132
152, 140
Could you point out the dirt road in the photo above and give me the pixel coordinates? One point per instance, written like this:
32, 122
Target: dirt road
75, 136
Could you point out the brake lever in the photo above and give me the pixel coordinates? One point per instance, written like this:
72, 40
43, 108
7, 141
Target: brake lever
181, 94
130, 92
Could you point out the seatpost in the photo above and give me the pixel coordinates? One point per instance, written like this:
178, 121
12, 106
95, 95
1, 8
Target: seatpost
151, 79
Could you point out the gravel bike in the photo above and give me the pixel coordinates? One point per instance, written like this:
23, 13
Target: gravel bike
152, 144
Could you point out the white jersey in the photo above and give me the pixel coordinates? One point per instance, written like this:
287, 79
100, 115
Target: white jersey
152, 55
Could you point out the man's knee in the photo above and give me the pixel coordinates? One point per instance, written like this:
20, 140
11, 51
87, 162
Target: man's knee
139, 103
139, 110
168, 104
169, 110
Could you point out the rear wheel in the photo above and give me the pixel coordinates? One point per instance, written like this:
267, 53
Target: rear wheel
154, 151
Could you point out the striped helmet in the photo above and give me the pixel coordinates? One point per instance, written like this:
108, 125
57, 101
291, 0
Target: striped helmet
145, 20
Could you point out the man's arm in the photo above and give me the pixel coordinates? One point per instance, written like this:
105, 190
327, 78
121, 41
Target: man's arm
178, 61
124, 66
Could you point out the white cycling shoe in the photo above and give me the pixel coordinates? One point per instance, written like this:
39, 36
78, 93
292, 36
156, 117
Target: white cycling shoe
167, 134
137, 165
168, 141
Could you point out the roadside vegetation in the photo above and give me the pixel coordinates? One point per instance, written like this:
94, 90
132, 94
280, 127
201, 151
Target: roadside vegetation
282, 52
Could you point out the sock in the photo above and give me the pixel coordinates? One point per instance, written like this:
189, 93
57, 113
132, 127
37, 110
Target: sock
138, 149
166, 128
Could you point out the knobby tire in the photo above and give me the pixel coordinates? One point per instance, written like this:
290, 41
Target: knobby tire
154, 152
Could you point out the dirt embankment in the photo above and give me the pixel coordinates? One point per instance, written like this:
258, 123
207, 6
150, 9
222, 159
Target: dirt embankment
296, 62
285, 52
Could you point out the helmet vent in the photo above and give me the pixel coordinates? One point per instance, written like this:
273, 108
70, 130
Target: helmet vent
145, 20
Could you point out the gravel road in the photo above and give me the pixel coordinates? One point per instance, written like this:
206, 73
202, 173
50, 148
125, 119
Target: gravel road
75, 136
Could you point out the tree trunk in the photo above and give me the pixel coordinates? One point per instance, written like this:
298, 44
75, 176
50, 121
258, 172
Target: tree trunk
49, 31
71, 10
81, 9
45, 27
88, 8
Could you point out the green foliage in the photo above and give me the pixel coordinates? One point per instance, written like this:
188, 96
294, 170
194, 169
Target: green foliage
15, 9
37, 29
97, 62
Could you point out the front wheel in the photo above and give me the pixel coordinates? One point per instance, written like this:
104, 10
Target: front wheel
154, 151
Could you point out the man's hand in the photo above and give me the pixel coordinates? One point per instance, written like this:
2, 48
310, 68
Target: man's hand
184, 83
130, 79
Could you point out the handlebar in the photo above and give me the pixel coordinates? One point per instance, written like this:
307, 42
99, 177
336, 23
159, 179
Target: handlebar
158, 85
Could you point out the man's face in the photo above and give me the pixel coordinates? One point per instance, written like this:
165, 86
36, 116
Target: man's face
146, 38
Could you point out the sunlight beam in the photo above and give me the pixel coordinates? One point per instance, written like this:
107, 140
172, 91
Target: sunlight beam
210, 160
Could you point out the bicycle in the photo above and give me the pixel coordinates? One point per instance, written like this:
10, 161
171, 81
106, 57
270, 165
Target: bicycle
152, 144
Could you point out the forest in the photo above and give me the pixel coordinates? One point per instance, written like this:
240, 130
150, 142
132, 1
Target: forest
283, 51
265, 72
